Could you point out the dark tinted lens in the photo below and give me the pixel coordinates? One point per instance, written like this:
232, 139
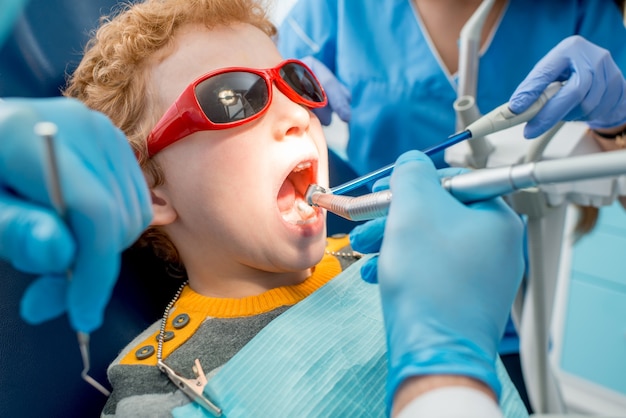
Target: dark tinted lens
230, 97
302, 82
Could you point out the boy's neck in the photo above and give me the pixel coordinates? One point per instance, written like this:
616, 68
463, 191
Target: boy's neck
249, 283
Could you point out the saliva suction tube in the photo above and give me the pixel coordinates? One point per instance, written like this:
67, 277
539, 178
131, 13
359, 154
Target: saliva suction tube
497, 120
480, 184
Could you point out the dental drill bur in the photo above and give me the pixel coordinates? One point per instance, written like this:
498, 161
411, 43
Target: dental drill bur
47, 130
497, 120
481, 184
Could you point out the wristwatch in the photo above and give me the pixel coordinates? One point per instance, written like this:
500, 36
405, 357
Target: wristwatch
619, 137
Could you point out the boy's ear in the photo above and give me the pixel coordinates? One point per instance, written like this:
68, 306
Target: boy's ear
164, 212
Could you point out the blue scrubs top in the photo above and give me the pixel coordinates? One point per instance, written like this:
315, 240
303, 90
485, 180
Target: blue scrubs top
401, 95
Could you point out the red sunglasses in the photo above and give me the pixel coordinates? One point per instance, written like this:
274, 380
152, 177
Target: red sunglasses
233, 96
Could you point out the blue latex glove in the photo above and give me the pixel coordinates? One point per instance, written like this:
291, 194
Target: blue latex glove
338, 95
107, 200
595, 90
448, 274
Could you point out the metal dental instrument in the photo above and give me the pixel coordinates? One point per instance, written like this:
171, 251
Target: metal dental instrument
47, 130
481, 184
497, 120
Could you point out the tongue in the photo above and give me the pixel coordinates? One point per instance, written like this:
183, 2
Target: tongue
286, 196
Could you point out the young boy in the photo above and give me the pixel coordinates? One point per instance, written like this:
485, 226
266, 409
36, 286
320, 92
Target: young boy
228, 161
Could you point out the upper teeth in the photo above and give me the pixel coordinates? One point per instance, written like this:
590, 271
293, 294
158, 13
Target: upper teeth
302, 166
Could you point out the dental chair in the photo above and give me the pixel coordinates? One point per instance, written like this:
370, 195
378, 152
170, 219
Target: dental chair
40, 365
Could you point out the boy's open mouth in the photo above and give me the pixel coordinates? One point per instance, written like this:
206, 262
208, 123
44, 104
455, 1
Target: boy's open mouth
291, 202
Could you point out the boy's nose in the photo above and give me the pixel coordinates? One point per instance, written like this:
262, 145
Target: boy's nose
291, 118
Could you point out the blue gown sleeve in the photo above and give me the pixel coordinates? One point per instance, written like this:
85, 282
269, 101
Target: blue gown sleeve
310, 28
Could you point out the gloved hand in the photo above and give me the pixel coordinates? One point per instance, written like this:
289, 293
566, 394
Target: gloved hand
448, 274
106, 197
338, 95
594, 91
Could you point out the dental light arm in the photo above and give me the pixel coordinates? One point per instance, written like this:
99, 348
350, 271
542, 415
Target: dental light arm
469, 46
481, 184
465, 105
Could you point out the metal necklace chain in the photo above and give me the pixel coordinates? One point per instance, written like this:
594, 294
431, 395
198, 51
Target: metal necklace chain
193, 388
166, 314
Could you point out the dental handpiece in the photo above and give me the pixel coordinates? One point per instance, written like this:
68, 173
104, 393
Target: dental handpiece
497, 120
481, 184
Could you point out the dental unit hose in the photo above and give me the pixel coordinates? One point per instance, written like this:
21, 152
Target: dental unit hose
481, 184
502, 118
497, 120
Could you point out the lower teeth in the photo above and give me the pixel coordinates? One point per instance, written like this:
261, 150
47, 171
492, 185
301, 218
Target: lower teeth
304, 210
300, 214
